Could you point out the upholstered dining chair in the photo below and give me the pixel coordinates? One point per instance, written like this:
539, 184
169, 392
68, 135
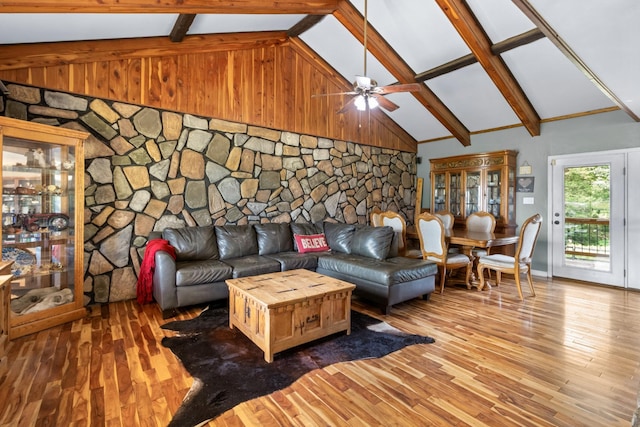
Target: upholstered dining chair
374, 217
399, 225
431, 233
484, 222
447, 219
520, 262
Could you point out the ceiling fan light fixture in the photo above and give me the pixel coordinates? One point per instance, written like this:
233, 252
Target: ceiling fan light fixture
362, 102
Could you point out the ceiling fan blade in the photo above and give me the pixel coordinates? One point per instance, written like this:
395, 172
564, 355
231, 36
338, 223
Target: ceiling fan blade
411, 87
333, 94
348, 105
386, 104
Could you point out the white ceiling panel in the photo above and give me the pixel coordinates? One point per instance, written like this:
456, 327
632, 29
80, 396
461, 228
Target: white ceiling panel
601, 34
417, 30
552, 83
42, 27
207, 24
345, 53
473, 98
501, 19
413, 118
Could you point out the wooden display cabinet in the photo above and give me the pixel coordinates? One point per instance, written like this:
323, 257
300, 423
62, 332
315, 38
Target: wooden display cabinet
42, 225
478, 182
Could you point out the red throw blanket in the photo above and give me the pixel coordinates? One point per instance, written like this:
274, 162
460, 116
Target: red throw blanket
144, 289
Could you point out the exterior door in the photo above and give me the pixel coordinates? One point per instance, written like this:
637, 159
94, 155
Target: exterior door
588, 218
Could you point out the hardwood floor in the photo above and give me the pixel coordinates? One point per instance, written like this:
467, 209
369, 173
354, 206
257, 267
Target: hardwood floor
568, 357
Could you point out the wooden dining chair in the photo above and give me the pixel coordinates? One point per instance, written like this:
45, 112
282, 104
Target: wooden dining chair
431, 233
518, 264
483, 222
374, 217
399, 225
447, 219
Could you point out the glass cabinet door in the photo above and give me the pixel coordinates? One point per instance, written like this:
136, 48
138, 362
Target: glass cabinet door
439, 192
455, 194
472, 193
38, 200
494, 191
42, 226
511, 195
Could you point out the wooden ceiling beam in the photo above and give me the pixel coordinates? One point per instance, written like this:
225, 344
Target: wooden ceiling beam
304, 24
51, 54
446, 68
498, 48
474, 36
353, 21
170, 6
517, 41
548, 31
181, 27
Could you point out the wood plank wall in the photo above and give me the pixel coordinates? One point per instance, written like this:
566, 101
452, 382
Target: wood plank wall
264, 85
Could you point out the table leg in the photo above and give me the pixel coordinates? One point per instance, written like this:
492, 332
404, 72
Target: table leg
474, 280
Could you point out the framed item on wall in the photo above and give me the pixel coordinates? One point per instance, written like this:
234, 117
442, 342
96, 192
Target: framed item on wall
524, 184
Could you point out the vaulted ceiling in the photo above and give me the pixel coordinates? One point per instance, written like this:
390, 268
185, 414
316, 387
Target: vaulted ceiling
482, 64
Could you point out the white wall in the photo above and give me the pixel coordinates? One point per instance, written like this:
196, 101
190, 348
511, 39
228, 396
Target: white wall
599, 132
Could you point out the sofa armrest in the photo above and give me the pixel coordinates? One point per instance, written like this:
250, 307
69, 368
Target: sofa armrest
164, 281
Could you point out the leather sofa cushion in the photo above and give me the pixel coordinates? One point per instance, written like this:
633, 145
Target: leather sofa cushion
372, 242
339, 236
273, 238
296, 260
252, 265
388, 272
236, 241
304, 229
198, 272
192, 243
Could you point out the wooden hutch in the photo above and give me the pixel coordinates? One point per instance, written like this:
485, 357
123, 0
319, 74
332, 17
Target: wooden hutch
478, 182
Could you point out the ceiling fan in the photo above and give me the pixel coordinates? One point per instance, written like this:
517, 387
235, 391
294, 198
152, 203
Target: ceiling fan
368, 94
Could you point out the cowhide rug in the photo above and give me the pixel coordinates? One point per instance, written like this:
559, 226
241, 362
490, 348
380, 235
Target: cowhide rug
229, 369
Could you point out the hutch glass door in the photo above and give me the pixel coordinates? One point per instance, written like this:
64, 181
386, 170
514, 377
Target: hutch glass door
439, 192
472, 199
494, 191
455, 194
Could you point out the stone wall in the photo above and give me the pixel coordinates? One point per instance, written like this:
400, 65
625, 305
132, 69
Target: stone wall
148, 169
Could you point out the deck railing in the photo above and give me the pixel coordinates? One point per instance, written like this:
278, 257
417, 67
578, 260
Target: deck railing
586, 237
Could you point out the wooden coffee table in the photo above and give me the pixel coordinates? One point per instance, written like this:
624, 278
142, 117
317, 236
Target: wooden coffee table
279, 311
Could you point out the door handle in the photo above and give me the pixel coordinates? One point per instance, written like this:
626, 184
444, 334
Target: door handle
556, 222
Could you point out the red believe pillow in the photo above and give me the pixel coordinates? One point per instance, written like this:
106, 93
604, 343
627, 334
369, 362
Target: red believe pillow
311, 243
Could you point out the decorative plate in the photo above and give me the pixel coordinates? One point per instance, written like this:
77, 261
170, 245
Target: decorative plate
23, 261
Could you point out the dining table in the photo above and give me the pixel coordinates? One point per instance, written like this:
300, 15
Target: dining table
469, 240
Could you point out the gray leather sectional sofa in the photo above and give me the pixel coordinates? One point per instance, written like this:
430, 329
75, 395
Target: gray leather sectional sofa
363, 255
